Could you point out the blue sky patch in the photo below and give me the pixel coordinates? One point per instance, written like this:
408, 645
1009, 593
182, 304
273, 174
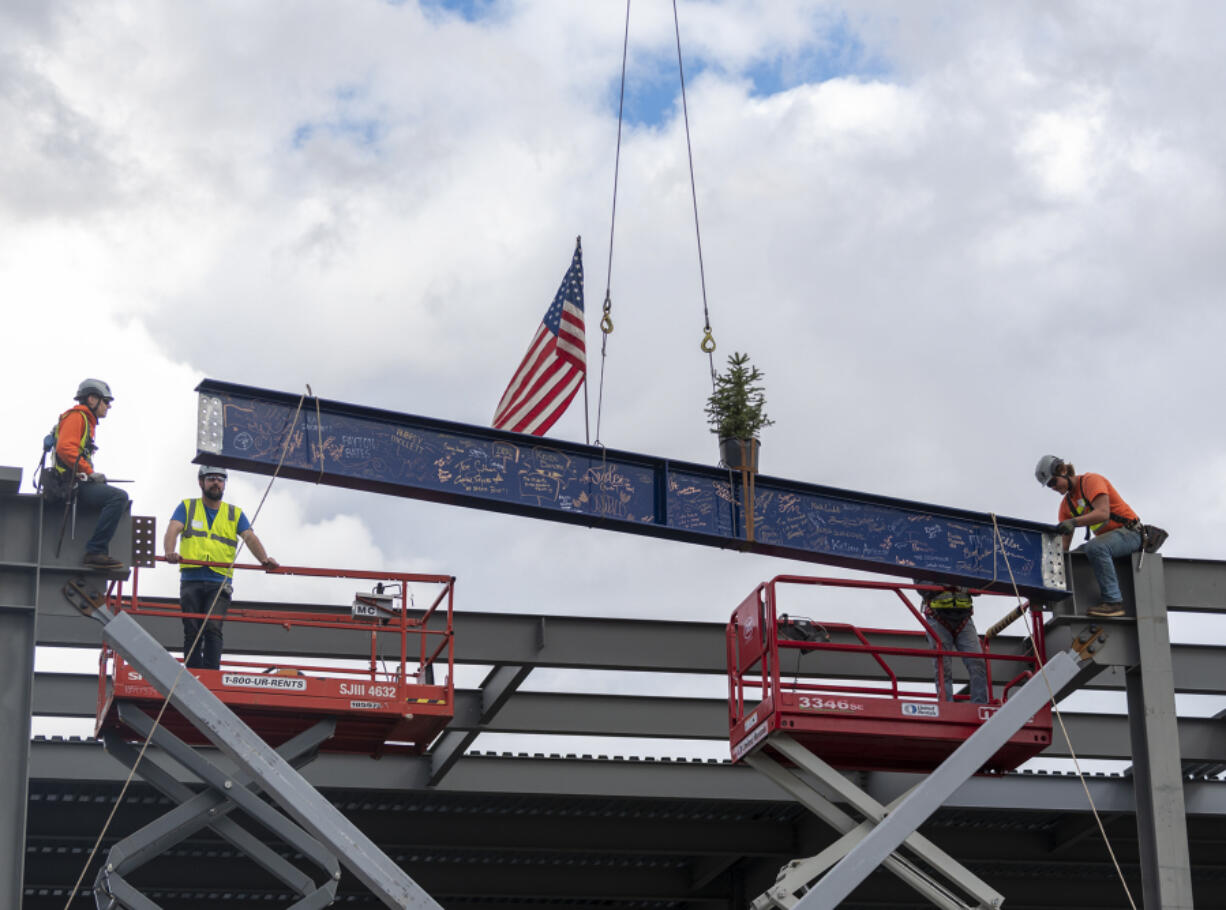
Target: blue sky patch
350, 122
653, 92
468, 10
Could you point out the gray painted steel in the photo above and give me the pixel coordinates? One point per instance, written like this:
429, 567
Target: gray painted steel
20, 551
937, 787
576, 776
292, 793
808, 780
1157, 770
1099, 736
237, 789
579, 642
217, 807
537, 791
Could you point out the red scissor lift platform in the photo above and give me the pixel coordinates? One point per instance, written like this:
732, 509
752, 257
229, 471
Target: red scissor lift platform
388, 703
880, 722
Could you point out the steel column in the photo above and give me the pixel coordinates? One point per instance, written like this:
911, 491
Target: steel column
21, 525
1166, 874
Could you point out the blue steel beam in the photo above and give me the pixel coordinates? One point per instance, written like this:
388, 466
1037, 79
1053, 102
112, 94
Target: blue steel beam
418, 457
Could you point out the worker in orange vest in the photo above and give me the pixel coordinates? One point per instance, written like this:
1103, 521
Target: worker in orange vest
73, 471
1090, 501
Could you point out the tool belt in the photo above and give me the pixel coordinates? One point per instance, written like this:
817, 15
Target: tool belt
1152, 537
56, 486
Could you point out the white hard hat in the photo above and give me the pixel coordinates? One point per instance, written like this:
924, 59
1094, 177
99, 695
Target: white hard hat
1046, 469
206, 469
93, 387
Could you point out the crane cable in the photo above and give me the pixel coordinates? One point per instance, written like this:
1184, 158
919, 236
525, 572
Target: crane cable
707, 345
1063, 729
183, 668
606, 318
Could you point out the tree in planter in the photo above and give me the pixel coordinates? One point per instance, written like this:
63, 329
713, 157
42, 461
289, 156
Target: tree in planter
736, 412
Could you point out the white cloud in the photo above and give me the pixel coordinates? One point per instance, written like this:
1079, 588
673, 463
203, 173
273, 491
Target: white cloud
1003, 240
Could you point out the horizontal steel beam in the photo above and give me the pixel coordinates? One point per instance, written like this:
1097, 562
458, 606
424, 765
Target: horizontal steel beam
578, 642
81, 760
381, 451
1098, 736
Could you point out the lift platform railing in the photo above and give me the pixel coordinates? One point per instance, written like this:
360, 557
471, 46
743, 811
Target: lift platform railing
391, 701
871, 715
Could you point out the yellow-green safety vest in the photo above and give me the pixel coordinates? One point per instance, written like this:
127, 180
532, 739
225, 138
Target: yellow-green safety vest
210, 544
951, 600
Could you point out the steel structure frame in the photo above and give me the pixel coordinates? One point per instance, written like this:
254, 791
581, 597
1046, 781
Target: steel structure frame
543, 641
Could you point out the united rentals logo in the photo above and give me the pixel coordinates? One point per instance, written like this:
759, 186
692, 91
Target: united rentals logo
746, 745
261, 681
920, 709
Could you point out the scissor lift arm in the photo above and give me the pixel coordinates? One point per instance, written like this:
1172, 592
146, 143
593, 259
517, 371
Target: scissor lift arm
875, 841
262, 765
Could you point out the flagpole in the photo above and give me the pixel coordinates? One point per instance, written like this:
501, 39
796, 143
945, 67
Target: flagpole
587, 430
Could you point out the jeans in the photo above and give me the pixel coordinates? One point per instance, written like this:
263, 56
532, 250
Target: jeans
197, 597
1102, 551
113, 502
967, 639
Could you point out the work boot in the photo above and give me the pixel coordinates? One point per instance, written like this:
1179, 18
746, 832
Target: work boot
102, 561
1106, 609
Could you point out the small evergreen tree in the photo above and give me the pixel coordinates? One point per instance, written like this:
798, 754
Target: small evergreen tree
735, 410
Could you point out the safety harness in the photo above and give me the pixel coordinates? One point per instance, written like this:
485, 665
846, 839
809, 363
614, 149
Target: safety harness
1132, 524
951, 608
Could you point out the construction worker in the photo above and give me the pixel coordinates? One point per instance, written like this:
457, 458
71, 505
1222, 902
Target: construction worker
949, 618
211, 529
1090, 501
73, 470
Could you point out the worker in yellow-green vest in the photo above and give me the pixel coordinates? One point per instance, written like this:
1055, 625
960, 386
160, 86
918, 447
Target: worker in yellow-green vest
951, 628
211, 530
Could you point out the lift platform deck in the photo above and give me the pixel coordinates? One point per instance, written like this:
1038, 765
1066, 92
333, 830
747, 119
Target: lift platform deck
387, 704
881, 724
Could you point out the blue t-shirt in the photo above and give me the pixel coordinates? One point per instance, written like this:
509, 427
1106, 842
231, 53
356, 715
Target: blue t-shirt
204, 573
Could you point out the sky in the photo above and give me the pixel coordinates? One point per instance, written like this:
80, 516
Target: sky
955, 236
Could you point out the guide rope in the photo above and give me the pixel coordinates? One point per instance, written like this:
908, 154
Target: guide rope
1060, 719
606, 318
183, 668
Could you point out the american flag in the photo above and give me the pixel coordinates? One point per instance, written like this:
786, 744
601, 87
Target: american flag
552, 370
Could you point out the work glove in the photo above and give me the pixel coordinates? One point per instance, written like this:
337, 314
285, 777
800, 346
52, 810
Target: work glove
1066, 527
97, 477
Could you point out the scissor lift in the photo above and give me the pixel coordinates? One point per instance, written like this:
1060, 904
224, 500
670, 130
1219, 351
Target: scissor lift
801, 730
269, 719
